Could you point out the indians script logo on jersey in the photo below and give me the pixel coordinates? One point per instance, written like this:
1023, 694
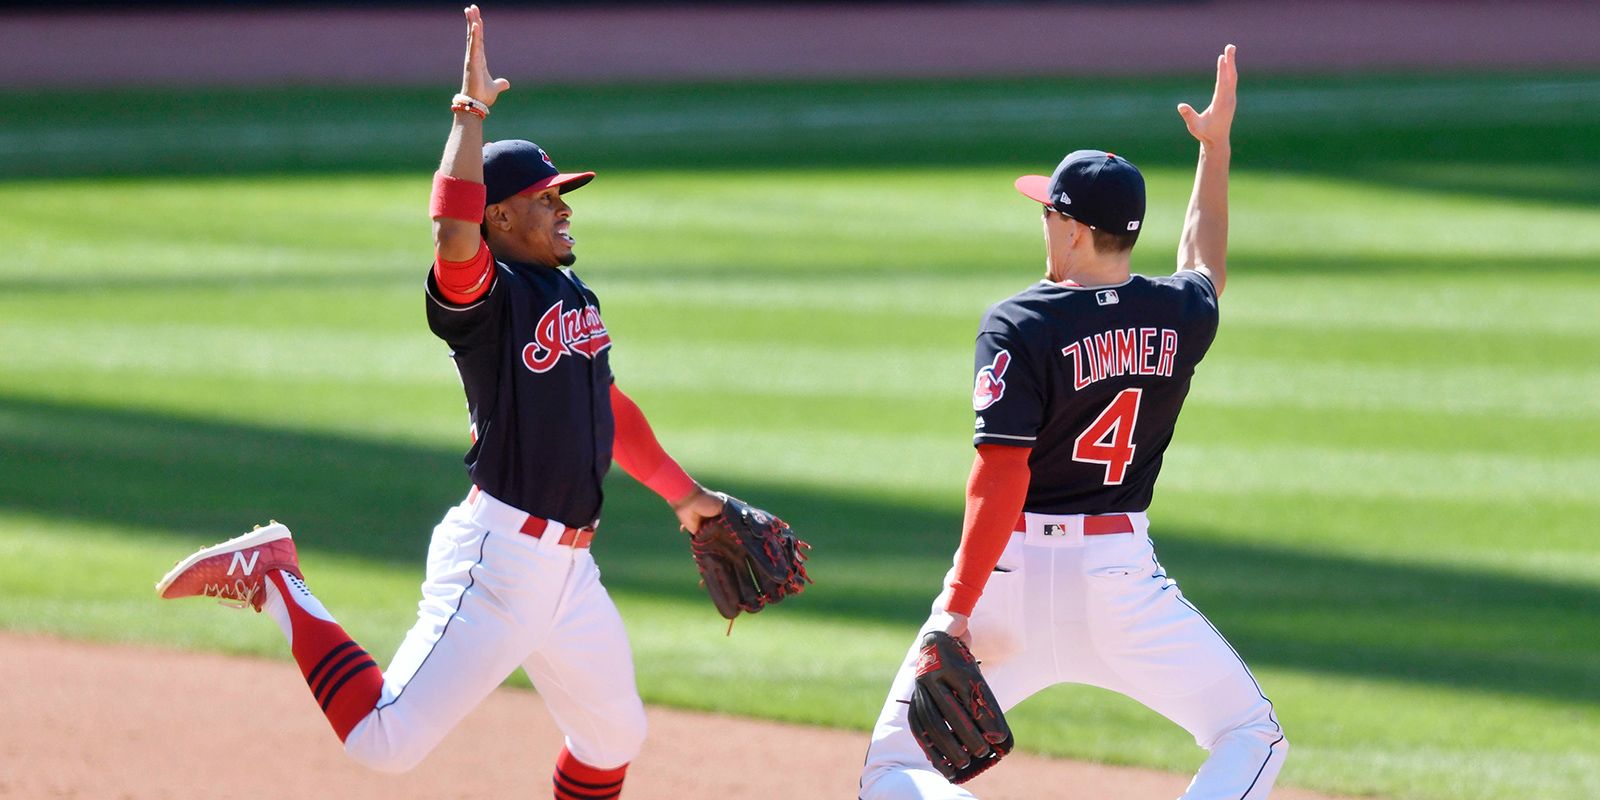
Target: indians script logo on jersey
561, 332
989, 388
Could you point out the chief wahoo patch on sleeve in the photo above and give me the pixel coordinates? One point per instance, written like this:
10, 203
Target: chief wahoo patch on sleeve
989, 387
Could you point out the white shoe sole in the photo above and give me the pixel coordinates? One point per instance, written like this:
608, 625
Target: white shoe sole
255, 538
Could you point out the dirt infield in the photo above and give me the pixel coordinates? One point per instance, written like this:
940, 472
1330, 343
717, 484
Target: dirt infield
98, 721
532, 46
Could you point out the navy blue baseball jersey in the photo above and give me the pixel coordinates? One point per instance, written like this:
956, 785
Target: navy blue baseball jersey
1092, 379
533, 359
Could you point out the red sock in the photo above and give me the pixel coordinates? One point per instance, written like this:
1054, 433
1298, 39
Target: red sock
342, 677
576, 780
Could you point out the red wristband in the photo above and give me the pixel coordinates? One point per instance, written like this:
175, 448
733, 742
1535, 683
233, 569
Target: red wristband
456, 198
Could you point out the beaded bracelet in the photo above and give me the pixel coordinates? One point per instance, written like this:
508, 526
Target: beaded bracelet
471, 105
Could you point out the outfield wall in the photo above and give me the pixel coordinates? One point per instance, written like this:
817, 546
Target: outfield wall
409, 45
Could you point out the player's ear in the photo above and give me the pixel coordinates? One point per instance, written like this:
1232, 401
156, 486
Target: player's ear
497, 217
1081, 233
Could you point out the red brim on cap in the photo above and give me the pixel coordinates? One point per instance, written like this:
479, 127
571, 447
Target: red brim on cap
566, 180
1035, 187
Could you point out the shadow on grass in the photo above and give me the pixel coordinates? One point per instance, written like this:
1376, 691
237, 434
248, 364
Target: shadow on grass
874, 560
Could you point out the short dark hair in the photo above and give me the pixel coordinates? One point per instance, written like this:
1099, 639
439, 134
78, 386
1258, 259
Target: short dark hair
1110, 242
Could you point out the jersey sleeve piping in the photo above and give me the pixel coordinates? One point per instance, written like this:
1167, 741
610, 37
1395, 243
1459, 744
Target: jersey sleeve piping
978, 438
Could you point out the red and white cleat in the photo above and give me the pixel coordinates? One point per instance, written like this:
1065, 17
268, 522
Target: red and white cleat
235, 571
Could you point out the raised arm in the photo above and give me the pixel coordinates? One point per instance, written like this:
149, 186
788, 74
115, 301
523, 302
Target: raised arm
455, 237
1203, 247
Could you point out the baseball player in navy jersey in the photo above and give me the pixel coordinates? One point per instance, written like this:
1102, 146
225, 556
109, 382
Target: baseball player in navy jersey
1079, 382
510, 581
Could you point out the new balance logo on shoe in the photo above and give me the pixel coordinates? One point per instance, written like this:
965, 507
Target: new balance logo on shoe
239, 562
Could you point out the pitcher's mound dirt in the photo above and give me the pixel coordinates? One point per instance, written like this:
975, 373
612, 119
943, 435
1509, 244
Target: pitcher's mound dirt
113, 721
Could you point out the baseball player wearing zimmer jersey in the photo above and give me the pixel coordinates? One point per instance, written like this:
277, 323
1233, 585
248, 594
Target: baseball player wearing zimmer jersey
1079, 382
510, 581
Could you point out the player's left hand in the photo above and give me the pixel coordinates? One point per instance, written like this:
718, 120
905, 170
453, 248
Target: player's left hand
697, 508
954, 715
748, 559
1214, 125
954, 624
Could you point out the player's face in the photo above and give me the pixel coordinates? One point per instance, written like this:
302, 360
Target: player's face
541, 222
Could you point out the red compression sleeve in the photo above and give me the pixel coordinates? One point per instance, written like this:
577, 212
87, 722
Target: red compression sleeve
996, 492
465, 281
640, 455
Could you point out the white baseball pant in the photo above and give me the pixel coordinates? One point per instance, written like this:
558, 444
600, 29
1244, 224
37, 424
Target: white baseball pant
495, 598
1099, 610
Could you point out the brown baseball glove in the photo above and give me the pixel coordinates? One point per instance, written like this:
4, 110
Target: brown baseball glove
954, 714
748, 558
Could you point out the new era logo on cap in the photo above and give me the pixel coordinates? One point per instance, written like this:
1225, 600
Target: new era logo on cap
1099, 189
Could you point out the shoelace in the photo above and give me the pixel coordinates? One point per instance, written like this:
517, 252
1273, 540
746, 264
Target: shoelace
245, 600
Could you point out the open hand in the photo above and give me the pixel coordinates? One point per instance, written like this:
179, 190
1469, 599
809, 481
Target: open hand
1212, 126
475, 79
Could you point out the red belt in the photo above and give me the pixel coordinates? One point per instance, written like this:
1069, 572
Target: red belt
572, 537
1093, 526
536, 527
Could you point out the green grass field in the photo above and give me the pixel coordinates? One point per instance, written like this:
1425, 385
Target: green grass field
1385, 487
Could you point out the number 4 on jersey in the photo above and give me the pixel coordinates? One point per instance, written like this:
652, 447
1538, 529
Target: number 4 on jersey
1109, 439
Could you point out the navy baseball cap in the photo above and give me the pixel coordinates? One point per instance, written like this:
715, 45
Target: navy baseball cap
1102, 190
517, 166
